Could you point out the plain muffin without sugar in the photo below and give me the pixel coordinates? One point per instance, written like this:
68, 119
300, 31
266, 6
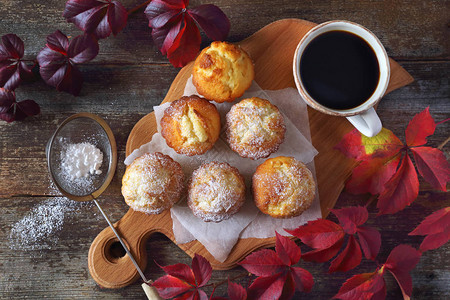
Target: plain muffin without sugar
255, 128
283, 187
222, 72
152, 183
216, 191
190, 125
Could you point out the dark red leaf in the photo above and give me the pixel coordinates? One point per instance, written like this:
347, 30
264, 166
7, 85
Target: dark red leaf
370, 241
269, 287
370, 176
82, 48
11, 110
401, 190
169, 286
202, 270
57, 64
304, 281
363, 286
351, 217
186, 45
264, 262
12, 69
287, 250
319, 233
349, 258
288, 288
236, 291
433, 166
323, 255
212, 20
419, 128
100, 18
401, 260
355, 145
160, 12
175, 32
437, 228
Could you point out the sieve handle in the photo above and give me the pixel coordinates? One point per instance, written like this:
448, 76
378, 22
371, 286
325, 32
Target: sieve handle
134, 228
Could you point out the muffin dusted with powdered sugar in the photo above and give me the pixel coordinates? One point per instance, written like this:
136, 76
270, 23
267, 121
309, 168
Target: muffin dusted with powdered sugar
255, 128
152, 183
216, 192
283, 187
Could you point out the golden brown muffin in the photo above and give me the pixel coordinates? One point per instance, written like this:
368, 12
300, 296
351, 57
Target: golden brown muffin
255, 128
283, 187
216, 191
152, 183
222, 72
191, 125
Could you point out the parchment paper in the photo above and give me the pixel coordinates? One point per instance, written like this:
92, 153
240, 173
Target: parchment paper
219, 238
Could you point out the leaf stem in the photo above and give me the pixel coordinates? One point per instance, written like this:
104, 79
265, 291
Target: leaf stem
372, 197
443, 143
135, 9
443, 121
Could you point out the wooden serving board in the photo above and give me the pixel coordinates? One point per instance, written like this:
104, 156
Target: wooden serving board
272, 49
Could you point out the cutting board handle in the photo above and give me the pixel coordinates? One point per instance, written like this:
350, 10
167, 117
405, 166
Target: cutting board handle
108, 263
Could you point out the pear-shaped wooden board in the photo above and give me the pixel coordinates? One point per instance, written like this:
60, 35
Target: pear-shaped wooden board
272, 49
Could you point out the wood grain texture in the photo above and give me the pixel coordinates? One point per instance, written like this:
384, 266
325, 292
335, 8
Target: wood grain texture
130, 76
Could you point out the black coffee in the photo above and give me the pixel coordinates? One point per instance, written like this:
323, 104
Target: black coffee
339, 70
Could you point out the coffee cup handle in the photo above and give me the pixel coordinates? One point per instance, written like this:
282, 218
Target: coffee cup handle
368, 122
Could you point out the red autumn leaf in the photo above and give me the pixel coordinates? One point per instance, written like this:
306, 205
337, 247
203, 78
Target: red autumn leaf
169, 286
287, 250
184, 282
264, 263
319, 233
370, 176
378, 171
12, 68
436, 227
186, 44
269, 287
97, 17
236, 291
59, 57
355, 145
349, 258
175, 31
370, 241
11, 110
419, 128
432, 166
401, 260
327, 238
363, 286
401, 190
202, 270
278, 279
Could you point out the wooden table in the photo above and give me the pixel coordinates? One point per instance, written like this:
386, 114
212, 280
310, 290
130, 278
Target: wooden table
129, 76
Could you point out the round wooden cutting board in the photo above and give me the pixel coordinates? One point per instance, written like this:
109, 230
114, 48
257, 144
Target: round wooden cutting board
272, 49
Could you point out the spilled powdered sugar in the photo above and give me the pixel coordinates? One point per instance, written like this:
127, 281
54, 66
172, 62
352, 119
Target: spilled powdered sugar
38, 230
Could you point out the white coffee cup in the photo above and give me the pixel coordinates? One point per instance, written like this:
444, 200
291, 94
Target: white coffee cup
363, 117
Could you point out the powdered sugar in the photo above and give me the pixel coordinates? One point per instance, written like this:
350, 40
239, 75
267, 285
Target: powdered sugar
38, 230
80, 160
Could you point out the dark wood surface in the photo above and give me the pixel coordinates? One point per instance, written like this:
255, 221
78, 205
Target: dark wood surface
129, 76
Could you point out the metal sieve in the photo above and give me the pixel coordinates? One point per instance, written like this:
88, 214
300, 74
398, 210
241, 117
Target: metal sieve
81, 128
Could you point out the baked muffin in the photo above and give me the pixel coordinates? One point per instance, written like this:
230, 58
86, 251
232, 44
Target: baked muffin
255, 128
152, 183
190, 125
283, 187
222, 72
216, 191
